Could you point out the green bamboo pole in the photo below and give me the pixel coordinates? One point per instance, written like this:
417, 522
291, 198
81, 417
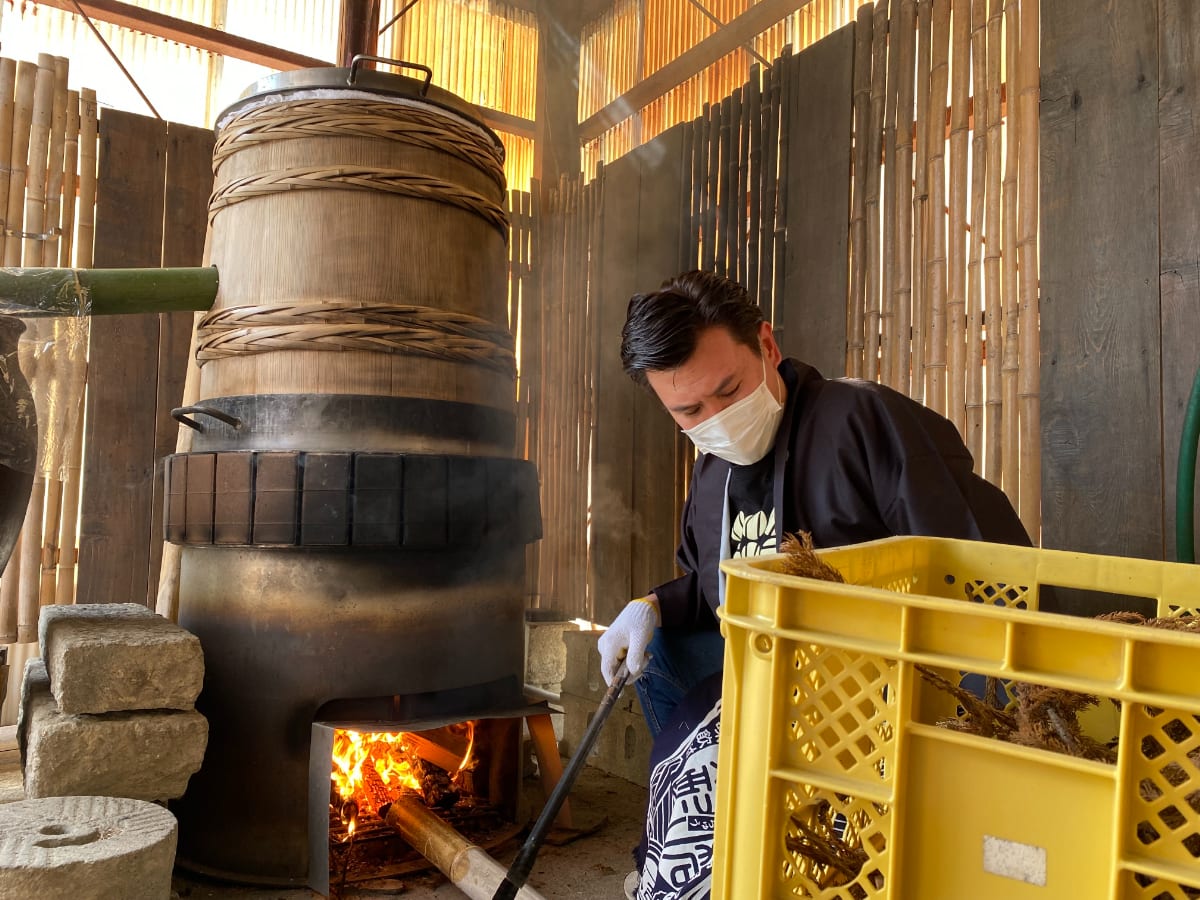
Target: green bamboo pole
104, 292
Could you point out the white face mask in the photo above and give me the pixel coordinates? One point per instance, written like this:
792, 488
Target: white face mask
743, 432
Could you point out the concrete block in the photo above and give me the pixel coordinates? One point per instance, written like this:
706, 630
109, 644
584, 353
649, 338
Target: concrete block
86, 848
145, 755
111, 657
582, 677
623, 745
545, 652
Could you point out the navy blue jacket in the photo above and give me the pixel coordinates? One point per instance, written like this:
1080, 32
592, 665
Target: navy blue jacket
854, 461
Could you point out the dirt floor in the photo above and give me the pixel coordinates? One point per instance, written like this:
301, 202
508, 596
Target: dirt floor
588, 868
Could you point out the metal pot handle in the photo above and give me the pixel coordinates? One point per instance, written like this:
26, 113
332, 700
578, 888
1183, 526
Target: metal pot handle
398, 63
180, 415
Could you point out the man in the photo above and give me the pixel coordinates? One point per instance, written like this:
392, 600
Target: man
781, 449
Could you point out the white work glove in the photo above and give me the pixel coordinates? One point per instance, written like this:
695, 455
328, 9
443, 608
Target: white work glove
627, 637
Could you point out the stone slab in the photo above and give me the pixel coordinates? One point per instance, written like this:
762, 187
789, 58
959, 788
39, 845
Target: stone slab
34, 683
145, 755
111, 657
86, 848
623, 745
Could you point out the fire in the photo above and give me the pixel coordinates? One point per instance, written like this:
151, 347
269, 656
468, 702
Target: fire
361, 757
371, 768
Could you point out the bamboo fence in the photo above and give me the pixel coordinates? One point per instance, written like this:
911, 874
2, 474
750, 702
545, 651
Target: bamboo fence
954, 245
553, 304
735, 156
482, 50
47, 192
633, 39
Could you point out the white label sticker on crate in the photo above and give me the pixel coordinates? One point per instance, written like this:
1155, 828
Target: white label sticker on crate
1011, 859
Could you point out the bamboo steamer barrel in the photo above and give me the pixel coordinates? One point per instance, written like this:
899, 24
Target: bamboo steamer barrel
384, 196
353, 521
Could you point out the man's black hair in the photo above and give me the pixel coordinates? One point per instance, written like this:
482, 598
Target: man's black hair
663, 326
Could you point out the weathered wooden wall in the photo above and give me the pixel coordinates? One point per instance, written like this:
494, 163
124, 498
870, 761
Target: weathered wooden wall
151, 209
810, 316
1120, 272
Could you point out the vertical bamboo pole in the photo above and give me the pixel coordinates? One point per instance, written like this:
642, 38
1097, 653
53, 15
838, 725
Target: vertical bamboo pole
906, 37
874, 175
935, 268
973, 417
578, 467
991, 252
1027, 269
28, 560
1009, 370
68, 533
87, 178
713, 166
732, 185
960, 83
64, 577
699, 128
769, 189
39, 151
724, 203
754, 176
920, 299
22, 118
743, 185
10, 582
887, 310
61, 384
591, 223
66, 247
54, 172
36, 370
781, 203
8, 86
855, 321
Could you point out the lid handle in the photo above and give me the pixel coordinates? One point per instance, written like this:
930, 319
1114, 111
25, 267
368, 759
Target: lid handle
398, 63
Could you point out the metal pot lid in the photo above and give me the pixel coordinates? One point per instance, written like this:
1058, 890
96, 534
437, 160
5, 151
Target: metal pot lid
356, 77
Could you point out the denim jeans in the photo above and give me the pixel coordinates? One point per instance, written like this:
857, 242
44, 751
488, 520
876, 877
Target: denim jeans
679, 660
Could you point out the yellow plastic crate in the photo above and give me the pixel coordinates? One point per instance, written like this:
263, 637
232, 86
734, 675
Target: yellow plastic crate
822, 705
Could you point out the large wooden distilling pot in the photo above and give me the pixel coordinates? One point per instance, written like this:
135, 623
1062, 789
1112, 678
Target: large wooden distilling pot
353, 520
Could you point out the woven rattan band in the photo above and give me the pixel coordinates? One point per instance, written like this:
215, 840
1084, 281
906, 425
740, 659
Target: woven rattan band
410, 124
356, 178
419, 330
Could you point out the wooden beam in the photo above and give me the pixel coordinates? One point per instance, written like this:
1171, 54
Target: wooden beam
359, 30
738, 31
126, 15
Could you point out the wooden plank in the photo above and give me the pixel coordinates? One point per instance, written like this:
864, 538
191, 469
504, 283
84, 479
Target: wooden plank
1179, 229
812, 307
612, 466
663, 176
118, 470
189, 181
127, 15
753, 22
1101, 418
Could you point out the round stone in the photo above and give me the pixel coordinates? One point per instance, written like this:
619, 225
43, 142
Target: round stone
86, 848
